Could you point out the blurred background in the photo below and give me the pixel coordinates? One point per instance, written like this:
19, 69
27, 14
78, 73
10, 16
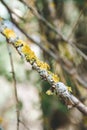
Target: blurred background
56, 30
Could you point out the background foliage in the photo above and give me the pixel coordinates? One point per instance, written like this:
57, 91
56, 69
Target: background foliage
67, 58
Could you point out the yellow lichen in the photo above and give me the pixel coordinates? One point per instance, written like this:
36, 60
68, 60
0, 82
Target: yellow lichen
29, 54
19, 42
26, 49
69, 89
54, 76
9, 33
43, 65
49, 92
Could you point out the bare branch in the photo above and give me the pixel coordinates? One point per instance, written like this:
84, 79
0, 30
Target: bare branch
80, 106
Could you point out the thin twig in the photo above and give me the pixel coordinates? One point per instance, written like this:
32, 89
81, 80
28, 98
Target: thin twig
75, 24
15, 86
24, 124
11, 11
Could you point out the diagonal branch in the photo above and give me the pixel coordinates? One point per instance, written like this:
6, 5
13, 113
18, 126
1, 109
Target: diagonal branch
64, 64
42, 68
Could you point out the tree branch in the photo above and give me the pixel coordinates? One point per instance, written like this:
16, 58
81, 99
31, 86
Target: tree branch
63, 63
42, 68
